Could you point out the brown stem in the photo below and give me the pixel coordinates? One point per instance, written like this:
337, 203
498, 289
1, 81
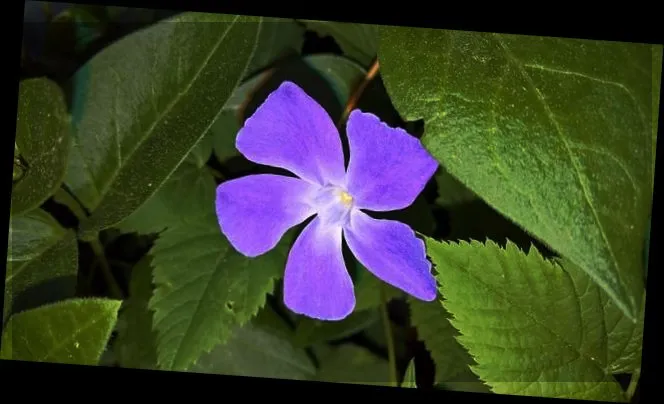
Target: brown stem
355, 96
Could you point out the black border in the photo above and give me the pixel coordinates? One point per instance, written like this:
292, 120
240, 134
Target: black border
563, 21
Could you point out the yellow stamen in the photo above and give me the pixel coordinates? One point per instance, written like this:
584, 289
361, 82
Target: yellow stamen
345, 197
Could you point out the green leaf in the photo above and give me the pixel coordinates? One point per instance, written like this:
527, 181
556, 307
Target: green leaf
451, 191
58, 262
656, 84
625, 339
358, 41
409, 380
431, 320
256, 351
533, 328
553, 133
185, 196
311, 332
136, 343
342, 74
145, 101
268, 319
74, 331
279, 38
42, 139
31, 234
368, 290
204, 288
352, 364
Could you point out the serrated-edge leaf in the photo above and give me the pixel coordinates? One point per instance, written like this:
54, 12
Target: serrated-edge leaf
624, 338
500, 298
194, 265
34, 327
431, 321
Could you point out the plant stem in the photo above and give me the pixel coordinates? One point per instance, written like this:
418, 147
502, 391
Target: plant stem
631, 389
65, 198
388, 336
98, 249
358, 91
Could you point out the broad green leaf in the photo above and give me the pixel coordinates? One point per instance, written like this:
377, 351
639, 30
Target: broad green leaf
553, 133
401, 335
257, 351
450, 190
73, 331
358, 41
656, 84
30, 234
368, 290
431, 321
311, 332
279, 38
186, 195
204, 288
268, 319
136, 343
352, 364
342, 74
58, 262
533, 328
409, 380
145, 101
42, 139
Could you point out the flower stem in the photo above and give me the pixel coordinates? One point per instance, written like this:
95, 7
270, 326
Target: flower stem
633, 383
388, 336
98, 249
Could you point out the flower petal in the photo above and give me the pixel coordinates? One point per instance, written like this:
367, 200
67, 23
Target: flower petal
316, 282
291, 131
388, 168
255, 211
390, 250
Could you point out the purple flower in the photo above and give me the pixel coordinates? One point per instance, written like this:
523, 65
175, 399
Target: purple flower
388, 168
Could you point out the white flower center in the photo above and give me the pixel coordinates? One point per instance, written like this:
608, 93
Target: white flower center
333, 205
